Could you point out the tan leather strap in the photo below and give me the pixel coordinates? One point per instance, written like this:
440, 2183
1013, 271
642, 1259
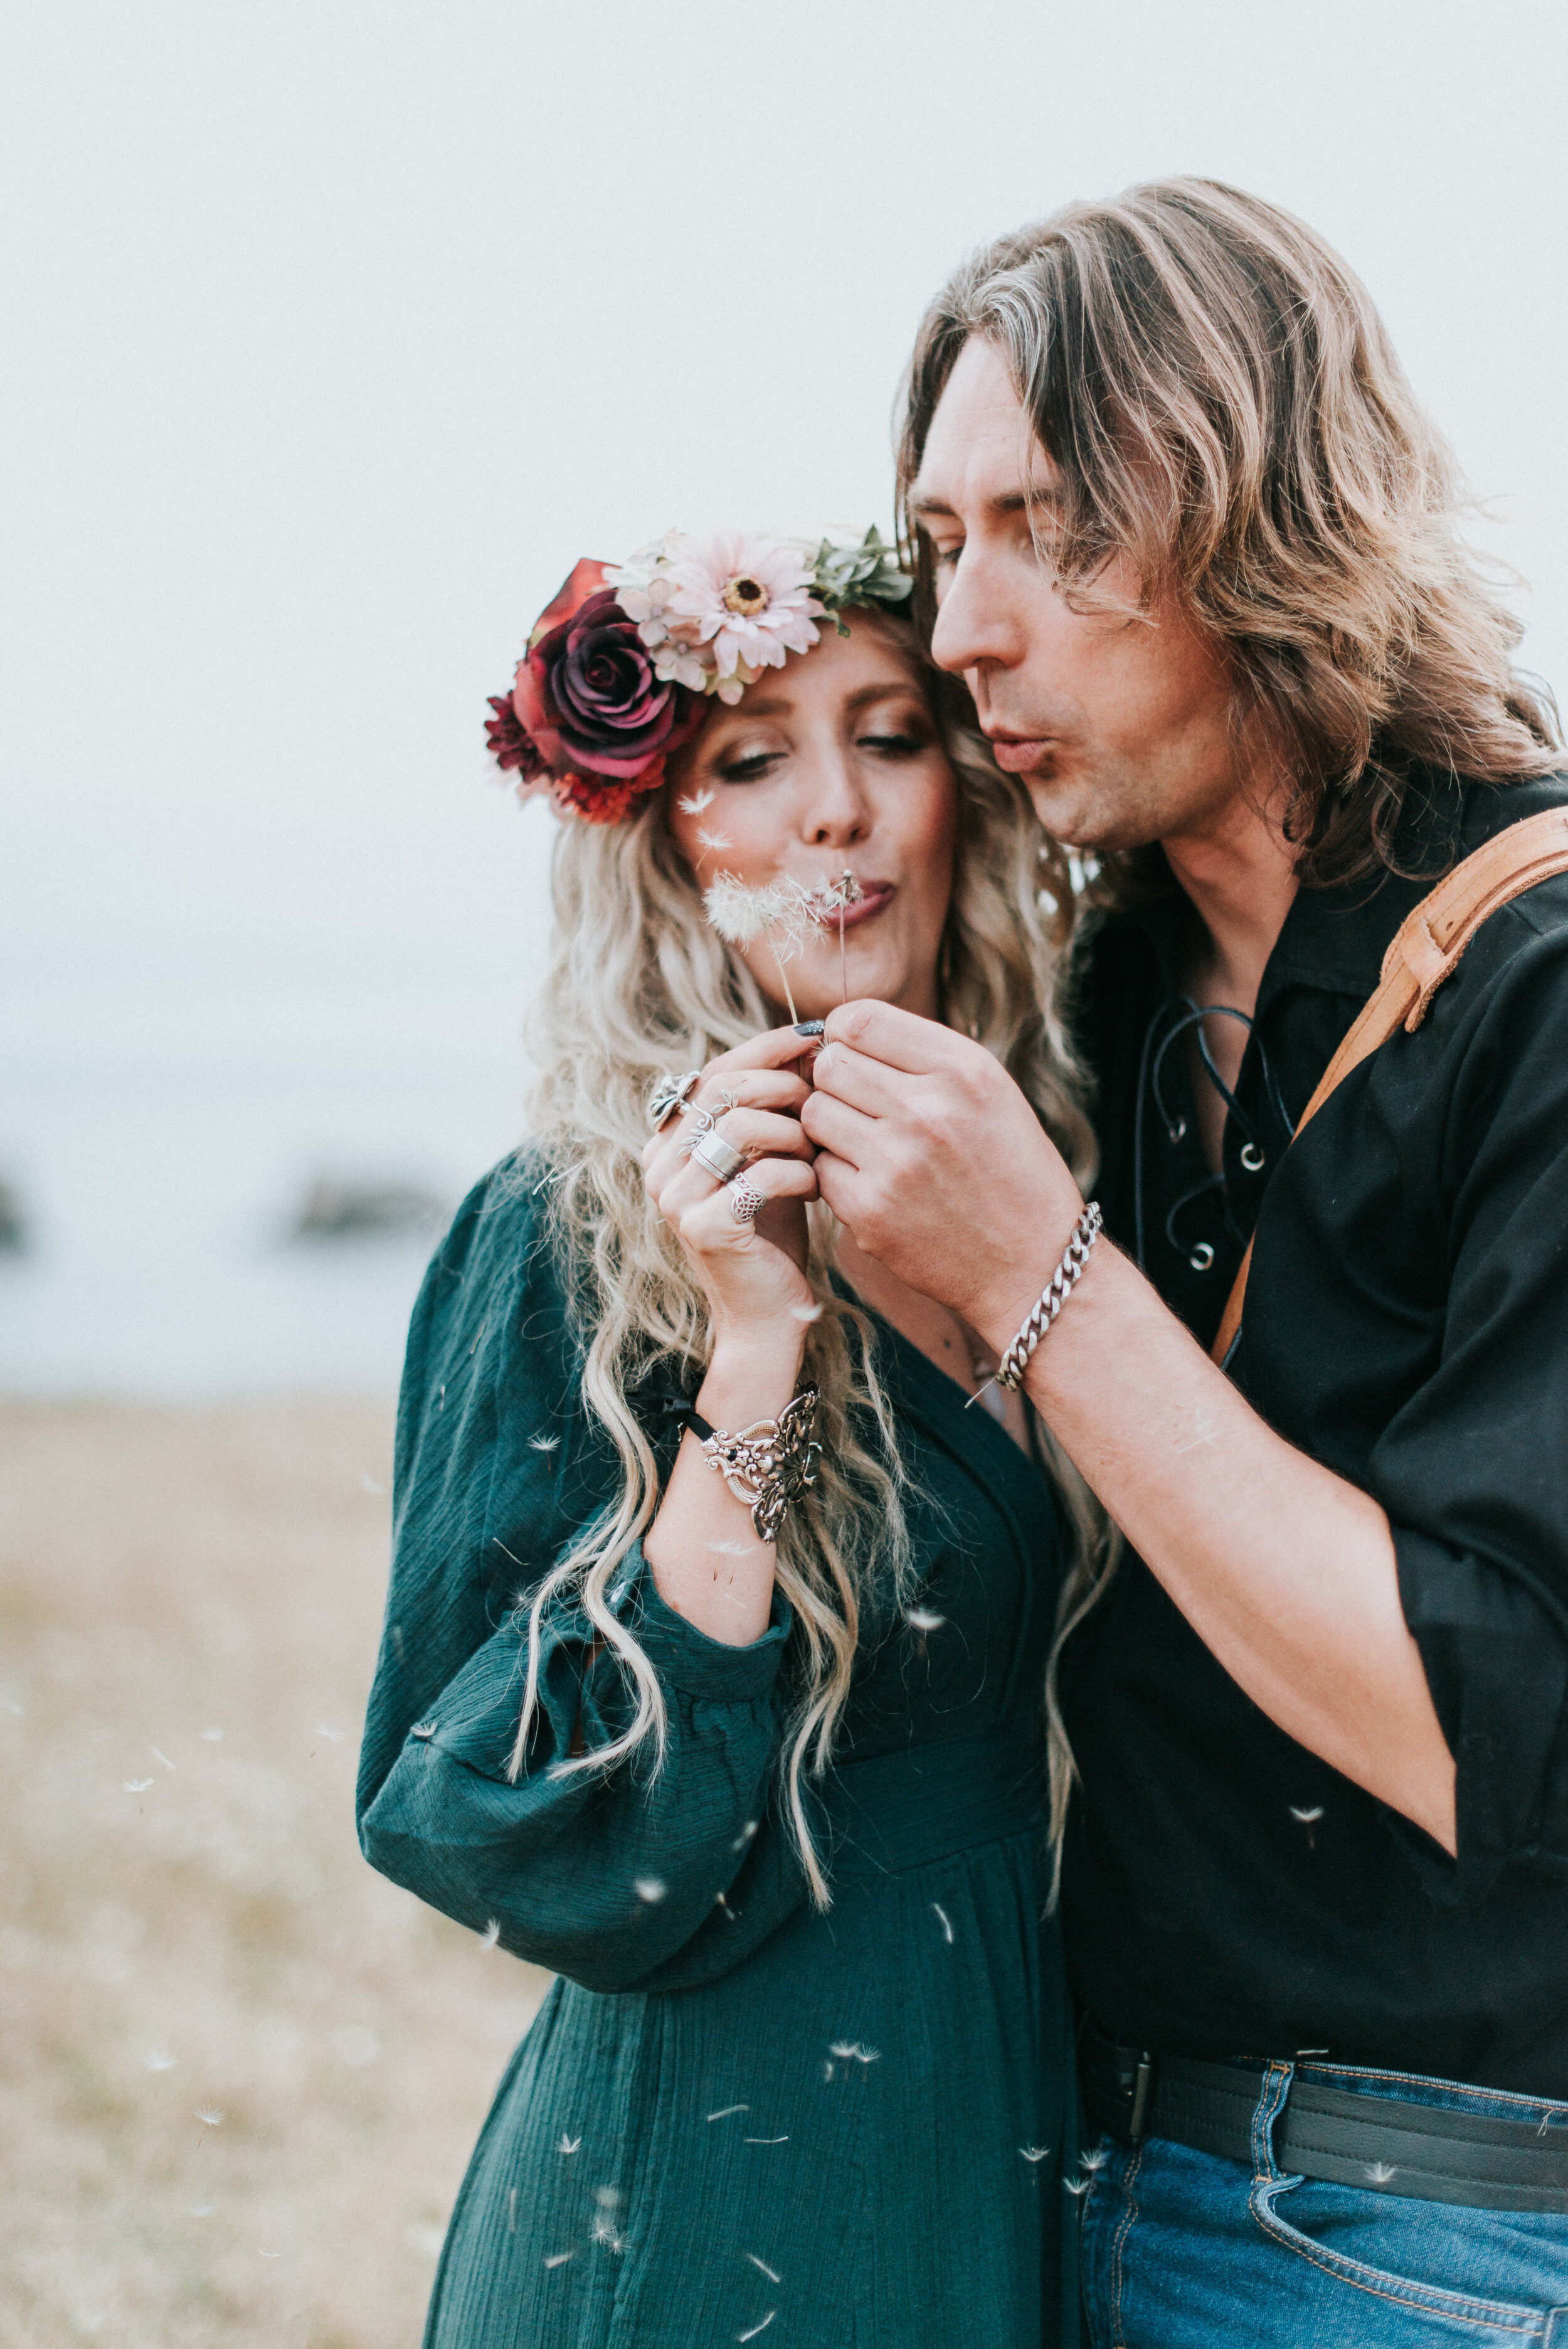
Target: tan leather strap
1425, 950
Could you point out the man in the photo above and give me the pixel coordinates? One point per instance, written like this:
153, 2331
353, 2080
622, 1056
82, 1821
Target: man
1188, 539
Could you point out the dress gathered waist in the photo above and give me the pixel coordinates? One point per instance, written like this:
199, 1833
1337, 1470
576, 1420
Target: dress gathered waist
926, 1803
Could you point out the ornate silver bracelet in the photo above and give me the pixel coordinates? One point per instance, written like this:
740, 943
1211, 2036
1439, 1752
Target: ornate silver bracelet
1057, 1289
769, 1463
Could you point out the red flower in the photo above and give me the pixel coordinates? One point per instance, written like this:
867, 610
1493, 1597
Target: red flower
587, 714
509, 745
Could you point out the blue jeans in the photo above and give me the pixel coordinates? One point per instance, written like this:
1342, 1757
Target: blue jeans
1185, 2251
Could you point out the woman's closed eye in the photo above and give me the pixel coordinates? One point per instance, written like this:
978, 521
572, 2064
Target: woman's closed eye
895, 743
750, 768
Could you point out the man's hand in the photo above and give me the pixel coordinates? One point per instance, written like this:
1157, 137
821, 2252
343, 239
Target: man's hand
936, 1162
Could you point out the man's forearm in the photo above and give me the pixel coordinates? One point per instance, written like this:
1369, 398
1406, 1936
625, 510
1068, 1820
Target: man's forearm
1286, 1572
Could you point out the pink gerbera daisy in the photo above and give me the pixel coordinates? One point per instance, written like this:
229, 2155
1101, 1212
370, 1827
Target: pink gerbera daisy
749, 598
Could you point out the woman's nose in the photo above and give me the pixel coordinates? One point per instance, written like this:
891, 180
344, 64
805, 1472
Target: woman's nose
834, 810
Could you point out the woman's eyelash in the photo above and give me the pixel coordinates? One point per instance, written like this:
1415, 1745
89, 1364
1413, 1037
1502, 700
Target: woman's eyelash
748, 770
897, 745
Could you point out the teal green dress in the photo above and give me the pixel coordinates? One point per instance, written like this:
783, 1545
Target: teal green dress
735, 2117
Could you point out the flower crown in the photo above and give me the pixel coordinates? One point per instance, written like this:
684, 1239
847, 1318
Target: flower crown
621, 667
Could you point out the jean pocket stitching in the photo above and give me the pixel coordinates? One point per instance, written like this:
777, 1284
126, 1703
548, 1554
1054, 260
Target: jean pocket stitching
1431, 2299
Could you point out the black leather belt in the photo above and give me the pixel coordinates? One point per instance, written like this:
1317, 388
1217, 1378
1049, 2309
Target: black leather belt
1384, 2144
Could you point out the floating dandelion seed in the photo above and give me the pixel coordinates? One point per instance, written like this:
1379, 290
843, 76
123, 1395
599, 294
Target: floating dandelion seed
805, 1313
649, 1889
490, 1935
604, 2232
759, 2328
608, 2197
944, 1919
920, 1619
556, 2259
544, 1444
158, 2059
1078, 2185
726, 2112
569, 2144
136, 1785
1033, 2153
424, 1728
160, 1757
850, 2050
764, 2140
1380, 2172
772, 2275
696, 802
711, 843
1095, 2158
1308, 1819
212, 1736
730, 1550
209, 2115
333, 1736
721, 1902
202, 2209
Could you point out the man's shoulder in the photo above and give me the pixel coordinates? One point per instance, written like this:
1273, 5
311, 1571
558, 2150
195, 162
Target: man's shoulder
1540, 911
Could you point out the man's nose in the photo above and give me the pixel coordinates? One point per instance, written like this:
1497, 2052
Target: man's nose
974, 627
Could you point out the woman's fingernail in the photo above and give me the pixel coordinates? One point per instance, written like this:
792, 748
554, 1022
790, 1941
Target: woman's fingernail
810, 1027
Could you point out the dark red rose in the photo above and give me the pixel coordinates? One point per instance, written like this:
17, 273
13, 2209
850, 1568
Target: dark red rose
509, 745
586, 694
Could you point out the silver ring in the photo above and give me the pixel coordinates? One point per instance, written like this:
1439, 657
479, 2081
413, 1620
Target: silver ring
745, 1199
668, 1095
718, 1156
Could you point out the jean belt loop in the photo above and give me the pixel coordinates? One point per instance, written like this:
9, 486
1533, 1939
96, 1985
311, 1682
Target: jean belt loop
1270, 2104
1556, 2334
1142, 2097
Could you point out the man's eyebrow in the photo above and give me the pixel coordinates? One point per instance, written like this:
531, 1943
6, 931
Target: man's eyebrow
1008, 501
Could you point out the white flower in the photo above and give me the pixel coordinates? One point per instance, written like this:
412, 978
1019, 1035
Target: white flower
750, 598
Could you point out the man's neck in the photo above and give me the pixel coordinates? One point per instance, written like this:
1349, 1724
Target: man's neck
1240, 876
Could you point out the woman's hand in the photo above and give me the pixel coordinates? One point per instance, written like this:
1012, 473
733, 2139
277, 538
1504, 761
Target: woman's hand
706, 1558
754, 1272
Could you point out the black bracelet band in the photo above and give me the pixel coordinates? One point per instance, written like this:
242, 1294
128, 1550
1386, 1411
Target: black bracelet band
677, 1407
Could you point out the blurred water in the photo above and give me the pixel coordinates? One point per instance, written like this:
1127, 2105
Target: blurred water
160, 1163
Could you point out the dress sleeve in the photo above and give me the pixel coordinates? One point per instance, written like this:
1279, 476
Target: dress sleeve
649, 1875
1473, 1470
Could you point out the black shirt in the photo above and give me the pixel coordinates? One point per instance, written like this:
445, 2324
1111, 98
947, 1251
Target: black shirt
1225, 1892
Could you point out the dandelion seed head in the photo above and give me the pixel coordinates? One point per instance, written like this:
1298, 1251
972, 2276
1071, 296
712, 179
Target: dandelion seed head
490, 1935
544, 1444
568, 2144
1095, 2159
1033, 2153
712, 840
852, 2051
209, 2115
806, 1313
920, 1619
136, 1785
1306, 1819
1380, 2172
1078, 2185
694, 803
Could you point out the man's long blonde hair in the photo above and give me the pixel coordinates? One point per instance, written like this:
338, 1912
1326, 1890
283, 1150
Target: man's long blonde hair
1222, 404
639, 984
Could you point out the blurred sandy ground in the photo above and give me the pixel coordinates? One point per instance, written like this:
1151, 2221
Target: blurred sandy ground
240, 2075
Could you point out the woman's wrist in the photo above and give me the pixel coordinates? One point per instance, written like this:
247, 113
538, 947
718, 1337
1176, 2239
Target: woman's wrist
752, 1374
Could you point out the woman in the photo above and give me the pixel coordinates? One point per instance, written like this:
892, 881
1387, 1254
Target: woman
752, 1760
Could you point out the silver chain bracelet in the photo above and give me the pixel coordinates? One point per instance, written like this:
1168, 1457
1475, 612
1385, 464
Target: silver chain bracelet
1057, 1289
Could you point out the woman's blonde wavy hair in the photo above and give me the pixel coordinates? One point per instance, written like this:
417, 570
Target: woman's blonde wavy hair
639, 984
1221, 403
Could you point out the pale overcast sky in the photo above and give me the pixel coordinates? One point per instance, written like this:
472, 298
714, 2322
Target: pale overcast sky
336, 333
